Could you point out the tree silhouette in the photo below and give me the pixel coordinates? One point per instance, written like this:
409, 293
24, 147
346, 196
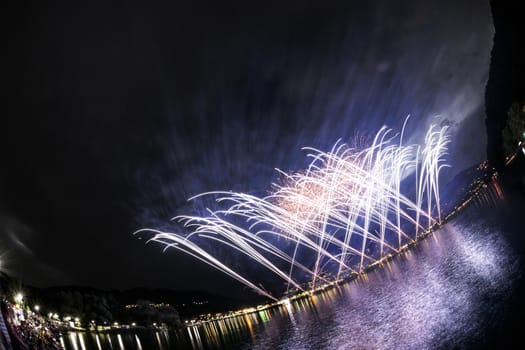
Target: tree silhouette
514, 130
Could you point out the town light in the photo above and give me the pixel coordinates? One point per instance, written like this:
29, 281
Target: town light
19, 297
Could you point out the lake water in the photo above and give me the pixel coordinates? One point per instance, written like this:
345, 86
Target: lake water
456, 289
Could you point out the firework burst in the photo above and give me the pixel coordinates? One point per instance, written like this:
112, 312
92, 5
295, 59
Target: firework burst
344, 212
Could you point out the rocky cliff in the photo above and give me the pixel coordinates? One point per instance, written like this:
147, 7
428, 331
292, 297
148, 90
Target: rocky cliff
506, 82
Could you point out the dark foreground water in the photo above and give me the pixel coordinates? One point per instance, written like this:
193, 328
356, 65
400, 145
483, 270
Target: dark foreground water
457, 289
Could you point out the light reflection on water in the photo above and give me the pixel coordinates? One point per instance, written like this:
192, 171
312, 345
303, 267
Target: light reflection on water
442, 293
438, 295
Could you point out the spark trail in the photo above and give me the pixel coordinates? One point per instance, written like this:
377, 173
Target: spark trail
343, 213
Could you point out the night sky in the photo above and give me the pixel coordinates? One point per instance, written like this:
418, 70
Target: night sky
116, 114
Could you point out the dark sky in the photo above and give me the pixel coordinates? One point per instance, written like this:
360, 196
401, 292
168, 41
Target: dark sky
116, 114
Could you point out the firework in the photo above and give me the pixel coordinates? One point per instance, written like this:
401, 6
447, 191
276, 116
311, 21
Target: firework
347, 210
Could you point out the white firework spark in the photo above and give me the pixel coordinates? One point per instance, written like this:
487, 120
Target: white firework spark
346, 209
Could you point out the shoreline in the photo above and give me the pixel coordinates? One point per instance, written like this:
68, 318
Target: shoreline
478, 184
